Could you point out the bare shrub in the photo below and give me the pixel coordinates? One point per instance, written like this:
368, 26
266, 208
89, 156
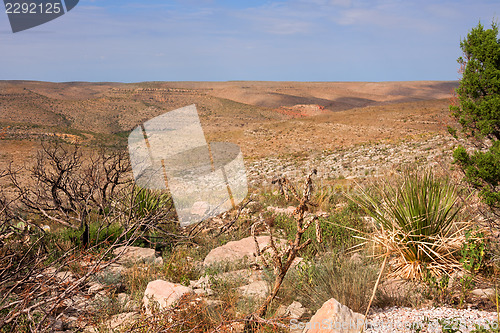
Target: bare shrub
282, 260
65, 185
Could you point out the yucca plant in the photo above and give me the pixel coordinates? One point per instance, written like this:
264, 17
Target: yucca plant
415, 220
149, 202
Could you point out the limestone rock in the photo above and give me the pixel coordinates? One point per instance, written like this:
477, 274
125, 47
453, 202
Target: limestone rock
258, 289
120, 320
159, 261
236, 251
293, 311
334, 317
134, 254
163, 292
485, 293
65, 276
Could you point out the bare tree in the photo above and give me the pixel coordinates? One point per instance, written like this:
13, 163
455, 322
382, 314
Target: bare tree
65, 185
31, 289
71, 189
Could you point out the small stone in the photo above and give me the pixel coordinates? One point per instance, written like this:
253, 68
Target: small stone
123, 298
65, 276
485, 293
339, 319
356, 258
236, 251
204, 292
134, 254
95, 287
296, 310
159, 261
58, 325
120, 320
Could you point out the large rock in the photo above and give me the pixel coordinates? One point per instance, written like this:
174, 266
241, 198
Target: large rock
257, 289
134, 254
334, 317
163, 292
236, 251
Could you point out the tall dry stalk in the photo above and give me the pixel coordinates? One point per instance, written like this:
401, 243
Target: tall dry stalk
282, 260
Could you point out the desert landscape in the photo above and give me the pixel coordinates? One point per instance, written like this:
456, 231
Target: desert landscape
105, 255
264, 118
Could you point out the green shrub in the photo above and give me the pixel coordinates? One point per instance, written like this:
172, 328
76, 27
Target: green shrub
415, 220
477, 110
99, 234
149, 202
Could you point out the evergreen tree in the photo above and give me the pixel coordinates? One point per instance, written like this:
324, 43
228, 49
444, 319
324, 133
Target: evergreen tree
478, 111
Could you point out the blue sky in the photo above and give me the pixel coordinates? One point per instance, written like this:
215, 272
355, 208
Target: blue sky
219, 40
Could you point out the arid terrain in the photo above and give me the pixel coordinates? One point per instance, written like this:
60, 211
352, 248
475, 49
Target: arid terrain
266, 119
128, 248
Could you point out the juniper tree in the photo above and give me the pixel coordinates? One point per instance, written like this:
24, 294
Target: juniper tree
478, 112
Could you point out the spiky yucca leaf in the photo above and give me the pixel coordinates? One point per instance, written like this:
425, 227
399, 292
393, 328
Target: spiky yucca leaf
415, 219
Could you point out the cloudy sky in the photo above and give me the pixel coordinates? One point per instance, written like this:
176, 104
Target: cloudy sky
219, 40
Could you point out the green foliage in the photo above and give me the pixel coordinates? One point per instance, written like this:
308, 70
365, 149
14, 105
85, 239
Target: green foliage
334, 229
473, 254
482, 170
98, 234
473, 251
437, 287
149, 202
414, 216
478, 110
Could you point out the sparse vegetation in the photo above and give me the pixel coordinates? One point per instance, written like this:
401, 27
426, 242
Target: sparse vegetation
64, 214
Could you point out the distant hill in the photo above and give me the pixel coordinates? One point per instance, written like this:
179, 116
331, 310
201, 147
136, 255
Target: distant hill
263, 117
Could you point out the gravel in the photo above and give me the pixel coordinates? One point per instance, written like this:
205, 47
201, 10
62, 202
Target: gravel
440, 319
359, 161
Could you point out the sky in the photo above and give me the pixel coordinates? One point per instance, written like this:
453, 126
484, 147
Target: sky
222, 40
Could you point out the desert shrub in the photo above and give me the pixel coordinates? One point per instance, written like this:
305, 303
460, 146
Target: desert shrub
337, 230
334, 275
149, 202
473, 254
477, 110
99, 235
192, 314
155, 209
67, 183
415, 220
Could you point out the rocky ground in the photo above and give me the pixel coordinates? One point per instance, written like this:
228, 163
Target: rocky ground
358, 162
369, 160
332, 315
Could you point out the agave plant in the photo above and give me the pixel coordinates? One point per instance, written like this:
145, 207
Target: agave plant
415, 220
149, 202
